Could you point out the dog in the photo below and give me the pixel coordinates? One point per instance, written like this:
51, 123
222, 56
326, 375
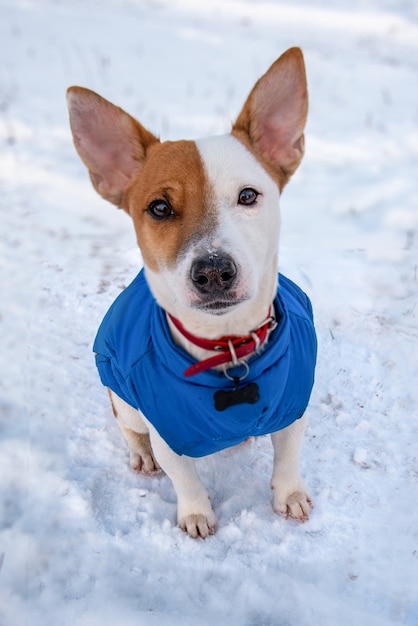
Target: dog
209, 345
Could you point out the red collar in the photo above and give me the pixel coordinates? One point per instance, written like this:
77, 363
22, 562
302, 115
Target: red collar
231, 347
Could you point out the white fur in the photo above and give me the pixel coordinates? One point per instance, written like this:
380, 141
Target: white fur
126, 415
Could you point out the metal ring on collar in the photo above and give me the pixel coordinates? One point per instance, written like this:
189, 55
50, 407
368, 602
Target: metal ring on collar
234, 378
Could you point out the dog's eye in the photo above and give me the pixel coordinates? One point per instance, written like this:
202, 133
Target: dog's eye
160, 210
248, 196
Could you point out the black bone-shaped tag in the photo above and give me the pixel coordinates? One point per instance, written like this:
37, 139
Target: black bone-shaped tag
237, 395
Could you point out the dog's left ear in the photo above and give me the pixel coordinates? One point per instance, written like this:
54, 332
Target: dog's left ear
274, 115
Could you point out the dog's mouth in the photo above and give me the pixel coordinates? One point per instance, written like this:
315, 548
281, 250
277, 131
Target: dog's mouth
220, 306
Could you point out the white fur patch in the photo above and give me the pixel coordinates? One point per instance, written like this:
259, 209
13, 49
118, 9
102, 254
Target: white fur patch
250, 234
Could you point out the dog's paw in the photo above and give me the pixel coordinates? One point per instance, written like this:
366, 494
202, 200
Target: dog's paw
144, 464
198, 525
292, 504
141, 455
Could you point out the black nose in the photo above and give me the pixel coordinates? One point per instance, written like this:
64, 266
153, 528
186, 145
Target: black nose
213, 273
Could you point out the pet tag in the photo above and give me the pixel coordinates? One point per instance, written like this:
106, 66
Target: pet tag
238, 395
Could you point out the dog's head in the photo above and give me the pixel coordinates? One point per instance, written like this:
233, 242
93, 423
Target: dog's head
206, 212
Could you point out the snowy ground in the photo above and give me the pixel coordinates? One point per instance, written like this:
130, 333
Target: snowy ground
85, 541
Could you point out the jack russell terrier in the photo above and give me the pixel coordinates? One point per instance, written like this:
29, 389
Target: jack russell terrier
208, 345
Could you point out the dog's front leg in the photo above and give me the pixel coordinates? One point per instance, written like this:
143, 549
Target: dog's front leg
291, 498
136, 435
194, 514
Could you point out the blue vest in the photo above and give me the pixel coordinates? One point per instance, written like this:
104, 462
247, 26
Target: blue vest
139, 361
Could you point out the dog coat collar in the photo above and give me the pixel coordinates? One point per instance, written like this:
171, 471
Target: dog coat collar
138, 359
232, 347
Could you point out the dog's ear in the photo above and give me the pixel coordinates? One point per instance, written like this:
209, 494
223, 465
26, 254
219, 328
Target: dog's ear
274, 115
111, 143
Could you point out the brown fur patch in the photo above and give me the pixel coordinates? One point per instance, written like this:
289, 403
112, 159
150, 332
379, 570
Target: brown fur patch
173, 172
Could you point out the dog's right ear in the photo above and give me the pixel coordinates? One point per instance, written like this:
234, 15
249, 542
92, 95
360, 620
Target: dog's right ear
111, 143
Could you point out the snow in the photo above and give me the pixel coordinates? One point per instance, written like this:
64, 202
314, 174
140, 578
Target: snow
84, 540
